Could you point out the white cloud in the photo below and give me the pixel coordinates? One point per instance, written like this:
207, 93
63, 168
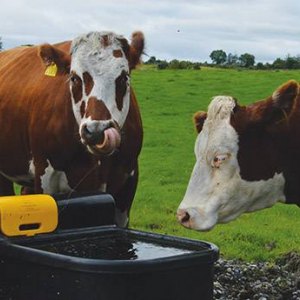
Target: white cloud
173, 29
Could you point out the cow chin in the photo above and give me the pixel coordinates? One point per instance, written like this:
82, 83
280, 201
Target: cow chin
110, 143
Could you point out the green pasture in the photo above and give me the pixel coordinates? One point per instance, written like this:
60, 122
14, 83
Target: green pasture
168, 100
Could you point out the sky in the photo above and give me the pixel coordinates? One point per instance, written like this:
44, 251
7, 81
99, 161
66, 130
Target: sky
173, 29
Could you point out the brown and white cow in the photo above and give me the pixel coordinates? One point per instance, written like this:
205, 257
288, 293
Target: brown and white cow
69, 119
247, 158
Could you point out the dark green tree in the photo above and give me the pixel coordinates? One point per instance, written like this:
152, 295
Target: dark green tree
247, 60
162, 64
278, 63
260, 66
218, 56
1, 44
151, 61
197, 66
292, 62
174, 64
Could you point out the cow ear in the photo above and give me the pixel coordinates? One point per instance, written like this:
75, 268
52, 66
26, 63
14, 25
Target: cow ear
283, 100
51, 55
284, 96
136, 49
199, 118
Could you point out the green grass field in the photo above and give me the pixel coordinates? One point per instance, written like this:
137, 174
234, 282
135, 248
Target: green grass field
168, 99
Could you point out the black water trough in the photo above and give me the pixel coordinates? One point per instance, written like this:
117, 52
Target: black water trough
104, 262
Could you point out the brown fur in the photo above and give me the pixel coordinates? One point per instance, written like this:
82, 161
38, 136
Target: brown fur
97, 110
88, 82
117, 53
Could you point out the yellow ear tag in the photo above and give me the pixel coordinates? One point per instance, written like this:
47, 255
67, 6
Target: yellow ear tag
51, 70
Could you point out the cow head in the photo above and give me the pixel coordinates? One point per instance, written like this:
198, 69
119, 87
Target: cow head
240, 158
99, 80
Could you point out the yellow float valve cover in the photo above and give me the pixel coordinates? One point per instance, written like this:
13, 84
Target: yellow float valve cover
27, 215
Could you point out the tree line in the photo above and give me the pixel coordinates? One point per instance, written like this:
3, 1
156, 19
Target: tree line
221, 59
247, 60
173, 64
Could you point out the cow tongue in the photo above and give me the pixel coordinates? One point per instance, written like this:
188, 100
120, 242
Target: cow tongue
111, 140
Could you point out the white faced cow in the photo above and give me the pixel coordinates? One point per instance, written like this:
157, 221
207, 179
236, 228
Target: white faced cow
247, 158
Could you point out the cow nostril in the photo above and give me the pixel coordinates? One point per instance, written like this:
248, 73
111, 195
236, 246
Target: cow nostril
85, 131
183, 216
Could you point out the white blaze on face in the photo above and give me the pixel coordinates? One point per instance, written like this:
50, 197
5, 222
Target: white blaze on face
100, 54
216, 193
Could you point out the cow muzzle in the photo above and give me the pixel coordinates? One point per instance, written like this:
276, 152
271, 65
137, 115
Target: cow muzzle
100, 137
195, 219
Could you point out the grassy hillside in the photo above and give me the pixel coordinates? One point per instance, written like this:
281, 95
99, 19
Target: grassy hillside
168, 99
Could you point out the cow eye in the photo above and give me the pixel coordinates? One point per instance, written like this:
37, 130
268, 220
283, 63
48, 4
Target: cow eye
73, 79
219, 159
